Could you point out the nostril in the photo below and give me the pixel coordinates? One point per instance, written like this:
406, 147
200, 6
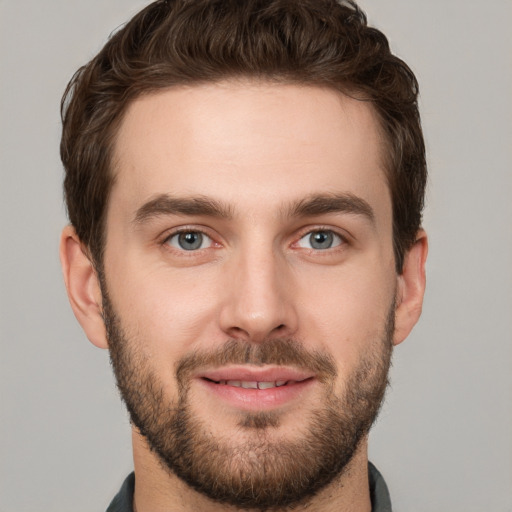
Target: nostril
280, 327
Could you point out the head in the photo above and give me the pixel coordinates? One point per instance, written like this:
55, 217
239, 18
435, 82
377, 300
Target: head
177, 42
245, 183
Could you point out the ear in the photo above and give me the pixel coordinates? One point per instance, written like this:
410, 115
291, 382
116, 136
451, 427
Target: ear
83, 287
411, 288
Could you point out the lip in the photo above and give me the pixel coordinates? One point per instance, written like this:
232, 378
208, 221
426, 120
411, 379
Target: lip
292, 384
256, 373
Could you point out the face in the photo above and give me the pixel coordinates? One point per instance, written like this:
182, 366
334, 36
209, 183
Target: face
249, 284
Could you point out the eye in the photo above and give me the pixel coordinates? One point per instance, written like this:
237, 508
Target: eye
189, 240
320, 240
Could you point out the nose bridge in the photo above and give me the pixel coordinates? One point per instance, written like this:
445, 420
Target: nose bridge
259, 303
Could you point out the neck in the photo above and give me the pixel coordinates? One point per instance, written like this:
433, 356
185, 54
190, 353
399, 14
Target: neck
159, 490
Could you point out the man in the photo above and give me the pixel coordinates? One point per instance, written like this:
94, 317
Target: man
245, 183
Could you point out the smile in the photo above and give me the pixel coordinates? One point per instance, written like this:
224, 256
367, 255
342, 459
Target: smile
247, 384
256, 389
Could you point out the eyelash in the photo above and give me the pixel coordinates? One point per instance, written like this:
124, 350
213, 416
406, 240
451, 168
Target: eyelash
185, 230
304, 233
323, 229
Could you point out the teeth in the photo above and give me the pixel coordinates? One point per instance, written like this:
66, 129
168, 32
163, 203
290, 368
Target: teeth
266, 385
254, 384
249, 384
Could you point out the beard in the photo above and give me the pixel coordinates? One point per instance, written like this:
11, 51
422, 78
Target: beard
264, 472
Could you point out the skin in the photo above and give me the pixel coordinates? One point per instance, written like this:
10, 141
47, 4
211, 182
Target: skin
258, 149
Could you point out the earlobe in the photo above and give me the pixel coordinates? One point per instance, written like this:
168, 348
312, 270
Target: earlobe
82, 286
411, 288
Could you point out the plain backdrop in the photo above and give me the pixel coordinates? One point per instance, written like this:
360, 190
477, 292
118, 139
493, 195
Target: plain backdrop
444, 438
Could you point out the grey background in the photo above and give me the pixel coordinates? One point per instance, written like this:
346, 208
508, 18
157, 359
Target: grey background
444, 438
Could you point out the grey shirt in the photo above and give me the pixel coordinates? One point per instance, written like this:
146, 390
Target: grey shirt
379, 493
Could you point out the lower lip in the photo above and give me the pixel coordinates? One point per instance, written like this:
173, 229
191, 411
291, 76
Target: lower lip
257, 399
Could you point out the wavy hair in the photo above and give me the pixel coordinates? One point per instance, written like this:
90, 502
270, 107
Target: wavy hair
325, 43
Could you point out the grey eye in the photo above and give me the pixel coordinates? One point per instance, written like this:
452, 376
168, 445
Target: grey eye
189, 240
320, 240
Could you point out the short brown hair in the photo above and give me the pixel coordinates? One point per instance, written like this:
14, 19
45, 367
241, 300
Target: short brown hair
170, 42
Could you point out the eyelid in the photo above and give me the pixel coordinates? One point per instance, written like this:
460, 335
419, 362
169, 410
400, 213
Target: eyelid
344, 238
168, 235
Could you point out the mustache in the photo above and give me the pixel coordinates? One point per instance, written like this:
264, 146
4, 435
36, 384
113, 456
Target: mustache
278, 351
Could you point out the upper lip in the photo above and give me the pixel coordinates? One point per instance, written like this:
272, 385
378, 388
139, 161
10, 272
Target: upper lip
256, 374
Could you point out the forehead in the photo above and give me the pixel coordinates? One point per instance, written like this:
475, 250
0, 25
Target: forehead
252, 144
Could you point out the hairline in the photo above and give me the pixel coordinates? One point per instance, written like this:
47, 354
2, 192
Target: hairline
342, 88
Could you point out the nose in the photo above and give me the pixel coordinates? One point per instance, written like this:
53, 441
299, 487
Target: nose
258, 295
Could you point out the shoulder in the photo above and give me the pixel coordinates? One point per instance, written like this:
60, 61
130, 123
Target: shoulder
379, 493
123, 501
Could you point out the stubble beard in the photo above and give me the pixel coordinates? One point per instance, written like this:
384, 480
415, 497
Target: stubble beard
264, 472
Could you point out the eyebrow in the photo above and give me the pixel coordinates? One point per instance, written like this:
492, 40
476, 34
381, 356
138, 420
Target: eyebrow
311, 206
321, 204
165, 204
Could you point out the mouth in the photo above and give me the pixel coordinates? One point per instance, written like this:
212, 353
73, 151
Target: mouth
254, 384
256, 389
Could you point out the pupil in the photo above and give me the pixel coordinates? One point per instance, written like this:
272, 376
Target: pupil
190, 241
321, 240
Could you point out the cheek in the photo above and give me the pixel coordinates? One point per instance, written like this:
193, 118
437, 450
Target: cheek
346, 312
169, 309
